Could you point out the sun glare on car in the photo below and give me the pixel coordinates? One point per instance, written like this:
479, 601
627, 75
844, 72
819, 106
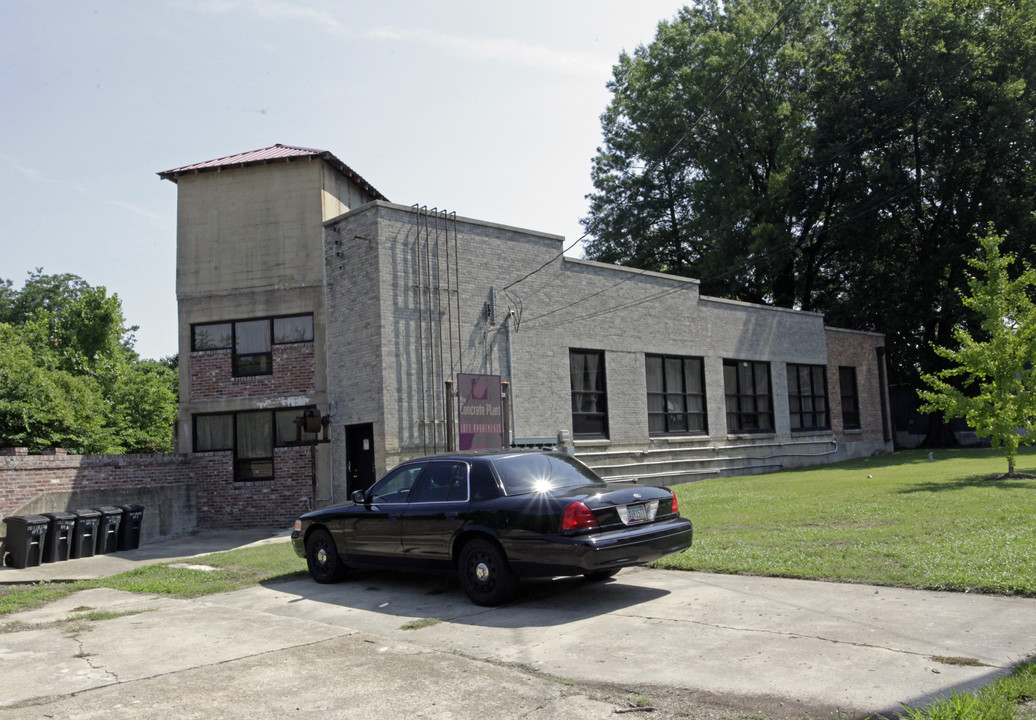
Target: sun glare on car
542, 485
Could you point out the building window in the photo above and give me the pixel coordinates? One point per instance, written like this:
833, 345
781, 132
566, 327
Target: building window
807, 397
251, 435
850, 398
252, 340
749, 402
675, 395
589, 399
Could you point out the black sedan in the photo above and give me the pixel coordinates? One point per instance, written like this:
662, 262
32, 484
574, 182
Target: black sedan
492, 518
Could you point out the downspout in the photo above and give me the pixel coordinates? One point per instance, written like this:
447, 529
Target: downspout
510, 371
883, 391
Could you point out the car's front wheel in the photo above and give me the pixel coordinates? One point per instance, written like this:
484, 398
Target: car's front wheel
322, 557
485, 574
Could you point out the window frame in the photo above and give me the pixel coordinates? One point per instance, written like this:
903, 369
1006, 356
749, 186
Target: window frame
684, 394
809, 413
249, 364
597, 418
852, 398
243, 466
740, 396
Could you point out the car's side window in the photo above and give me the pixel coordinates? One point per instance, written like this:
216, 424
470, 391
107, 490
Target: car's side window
442, 482
396, 486
483, 484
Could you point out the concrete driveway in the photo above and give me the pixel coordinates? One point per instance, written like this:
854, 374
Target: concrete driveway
709, 645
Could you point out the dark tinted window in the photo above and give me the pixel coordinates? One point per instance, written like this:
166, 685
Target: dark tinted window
522, 474
442, 482
395, 487
483, 484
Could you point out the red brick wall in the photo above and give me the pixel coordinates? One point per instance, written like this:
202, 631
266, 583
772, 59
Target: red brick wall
23, 477
220, 501
851, 349
225, 503
294, 372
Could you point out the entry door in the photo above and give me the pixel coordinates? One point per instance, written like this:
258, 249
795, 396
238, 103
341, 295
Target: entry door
359, 456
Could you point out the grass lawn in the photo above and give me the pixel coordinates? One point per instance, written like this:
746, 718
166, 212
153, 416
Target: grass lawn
892, 520
227, 571
896, 519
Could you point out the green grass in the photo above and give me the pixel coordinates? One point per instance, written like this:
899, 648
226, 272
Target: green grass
1009, 698
890, 520
232, 570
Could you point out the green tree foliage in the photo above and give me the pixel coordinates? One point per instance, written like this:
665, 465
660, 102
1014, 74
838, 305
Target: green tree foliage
990, 381
69, 376
838, 157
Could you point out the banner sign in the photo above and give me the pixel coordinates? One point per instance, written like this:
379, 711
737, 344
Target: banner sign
480, 420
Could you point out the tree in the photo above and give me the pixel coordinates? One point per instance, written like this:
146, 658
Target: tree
838, 157
43, 407
991, 380
69, 376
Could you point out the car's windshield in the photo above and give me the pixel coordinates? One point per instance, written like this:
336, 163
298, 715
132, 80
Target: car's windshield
522, 474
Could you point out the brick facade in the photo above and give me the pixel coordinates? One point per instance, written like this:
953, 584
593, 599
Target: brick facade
859, 350
293, 373
225, 503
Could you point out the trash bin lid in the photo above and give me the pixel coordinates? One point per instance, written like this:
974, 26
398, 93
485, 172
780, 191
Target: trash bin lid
59, 515
86, 513
109, 510
132, 507
26, 520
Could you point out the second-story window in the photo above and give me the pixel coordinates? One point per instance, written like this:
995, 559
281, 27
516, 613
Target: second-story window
252, 340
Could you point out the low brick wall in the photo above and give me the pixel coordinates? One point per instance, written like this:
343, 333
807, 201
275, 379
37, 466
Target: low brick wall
179, 492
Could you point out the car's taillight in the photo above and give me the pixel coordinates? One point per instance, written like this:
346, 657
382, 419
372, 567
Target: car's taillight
676, 505
578, 517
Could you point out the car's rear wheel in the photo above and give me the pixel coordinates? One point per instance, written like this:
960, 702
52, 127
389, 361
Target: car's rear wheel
598, 575
485, 574
322, 557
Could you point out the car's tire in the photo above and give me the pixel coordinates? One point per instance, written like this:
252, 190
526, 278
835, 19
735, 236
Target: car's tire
485, 574
325, 565
599, 575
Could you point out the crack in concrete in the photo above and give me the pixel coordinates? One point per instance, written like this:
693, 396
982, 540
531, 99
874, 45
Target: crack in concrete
85, 656
789, 634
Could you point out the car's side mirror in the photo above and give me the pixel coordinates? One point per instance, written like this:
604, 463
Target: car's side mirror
359, 498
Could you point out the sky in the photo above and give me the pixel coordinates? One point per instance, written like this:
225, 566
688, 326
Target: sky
487, 109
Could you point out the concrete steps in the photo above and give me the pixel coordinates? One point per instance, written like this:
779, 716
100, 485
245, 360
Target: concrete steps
673, 465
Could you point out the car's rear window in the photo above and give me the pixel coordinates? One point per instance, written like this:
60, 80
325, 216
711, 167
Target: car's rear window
521, 474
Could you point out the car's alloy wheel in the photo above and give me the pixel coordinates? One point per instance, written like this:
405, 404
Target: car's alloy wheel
322, 557
484, 573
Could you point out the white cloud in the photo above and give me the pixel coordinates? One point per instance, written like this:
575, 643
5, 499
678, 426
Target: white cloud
480, 47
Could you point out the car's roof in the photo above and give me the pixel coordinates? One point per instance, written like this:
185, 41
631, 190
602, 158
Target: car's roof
486, 454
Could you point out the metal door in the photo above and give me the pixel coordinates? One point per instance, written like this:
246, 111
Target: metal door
359, 457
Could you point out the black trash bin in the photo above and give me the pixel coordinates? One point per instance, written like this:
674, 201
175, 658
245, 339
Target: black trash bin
84, 536
60, 532
129, 530
26, 539
108, 529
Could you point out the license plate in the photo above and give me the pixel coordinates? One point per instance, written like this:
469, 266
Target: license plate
637, 513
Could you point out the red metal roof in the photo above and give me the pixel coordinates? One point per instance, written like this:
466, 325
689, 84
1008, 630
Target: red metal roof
276, 153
